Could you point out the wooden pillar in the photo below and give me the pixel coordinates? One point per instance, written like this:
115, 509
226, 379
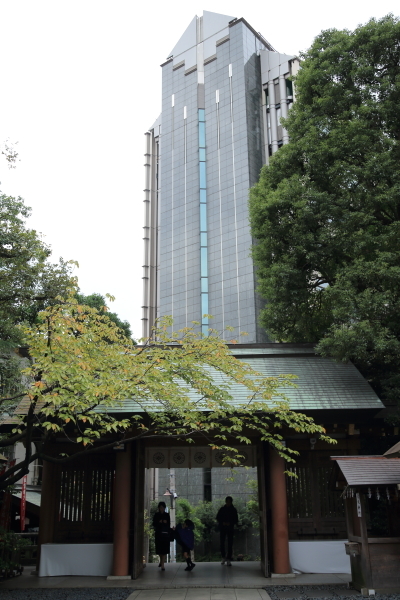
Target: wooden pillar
280, 525
262, 458
122, 502
137, 521
47, 506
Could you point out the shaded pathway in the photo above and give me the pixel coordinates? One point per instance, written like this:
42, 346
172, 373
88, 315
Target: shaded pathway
208, 576
241, 575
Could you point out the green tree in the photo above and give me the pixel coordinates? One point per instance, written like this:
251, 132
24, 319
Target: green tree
326, 211
99, 302
206, 513
253, 505
28, 281
78, 381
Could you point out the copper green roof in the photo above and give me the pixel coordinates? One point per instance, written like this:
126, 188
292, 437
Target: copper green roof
321, 384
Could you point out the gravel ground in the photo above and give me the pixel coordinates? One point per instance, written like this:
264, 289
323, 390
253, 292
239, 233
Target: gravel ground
65, 594
304, 592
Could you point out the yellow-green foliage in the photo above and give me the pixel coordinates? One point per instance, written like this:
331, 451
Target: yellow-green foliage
83, 369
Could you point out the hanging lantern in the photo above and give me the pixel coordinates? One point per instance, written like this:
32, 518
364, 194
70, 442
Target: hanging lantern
377, 494
369, 493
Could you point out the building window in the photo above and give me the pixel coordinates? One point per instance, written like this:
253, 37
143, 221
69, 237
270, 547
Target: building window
204, 306
203, 218
203, 261
202, 170
202, 134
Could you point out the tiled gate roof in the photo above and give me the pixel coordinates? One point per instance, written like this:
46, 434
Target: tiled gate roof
321, 384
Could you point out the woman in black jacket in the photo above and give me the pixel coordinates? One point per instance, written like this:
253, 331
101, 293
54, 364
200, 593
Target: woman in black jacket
161, 524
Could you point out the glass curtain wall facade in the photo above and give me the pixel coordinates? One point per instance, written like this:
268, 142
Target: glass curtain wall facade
213, 142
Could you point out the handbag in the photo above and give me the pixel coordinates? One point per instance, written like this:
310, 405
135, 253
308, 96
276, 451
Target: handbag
172, 535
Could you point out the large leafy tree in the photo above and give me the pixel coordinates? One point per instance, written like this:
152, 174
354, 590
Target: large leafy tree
28, 280
28, 283
84, 368
326, 211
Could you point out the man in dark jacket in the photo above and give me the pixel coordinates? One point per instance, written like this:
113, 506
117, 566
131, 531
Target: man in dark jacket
227, 518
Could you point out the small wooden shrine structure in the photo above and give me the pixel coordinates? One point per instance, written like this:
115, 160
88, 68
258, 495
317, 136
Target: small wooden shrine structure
370, 487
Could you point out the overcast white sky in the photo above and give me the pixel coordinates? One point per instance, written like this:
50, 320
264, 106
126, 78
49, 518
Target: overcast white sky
80, 84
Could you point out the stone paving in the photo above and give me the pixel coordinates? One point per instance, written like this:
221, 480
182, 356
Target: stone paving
209, 575
321, 592
242, 575
208, 581
123, 594
200, 594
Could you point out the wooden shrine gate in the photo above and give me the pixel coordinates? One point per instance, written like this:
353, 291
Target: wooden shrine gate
100, 499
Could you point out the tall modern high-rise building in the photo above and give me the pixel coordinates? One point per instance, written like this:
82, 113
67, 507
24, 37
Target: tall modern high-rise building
224, 90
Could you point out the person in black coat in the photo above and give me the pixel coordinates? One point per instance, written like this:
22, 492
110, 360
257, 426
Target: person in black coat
161, 524
227, 518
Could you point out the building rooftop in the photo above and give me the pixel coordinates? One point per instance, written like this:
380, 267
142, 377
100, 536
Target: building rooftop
210, 29
321, 383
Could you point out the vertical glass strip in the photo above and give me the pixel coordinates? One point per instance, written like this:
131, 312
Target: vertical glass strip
203, 222
185, 215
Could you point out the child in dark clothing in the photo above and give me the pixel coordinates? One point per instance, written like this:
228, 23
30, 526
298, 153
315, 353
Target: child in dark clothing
185, 538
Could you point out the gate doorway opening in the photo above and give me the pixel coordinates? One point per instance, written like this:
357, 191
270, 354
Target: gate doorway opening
198, 481
198, 494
